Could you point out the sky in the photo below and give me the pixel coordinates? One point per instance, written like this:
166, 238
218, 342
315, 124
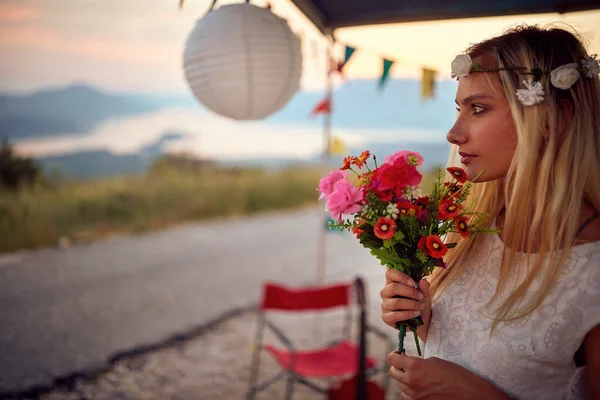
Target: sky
137, 45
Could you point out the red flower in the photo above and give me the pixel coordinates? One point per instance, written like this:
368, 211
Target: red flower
423, 202
385, 228
347, 163
458, 173
397, 176
404, 207
448, 209
421, 245
407, 208
453, 188
435, 247
461, 226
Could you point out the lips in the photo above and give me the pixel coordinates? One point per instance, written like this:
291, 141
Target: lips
466, 157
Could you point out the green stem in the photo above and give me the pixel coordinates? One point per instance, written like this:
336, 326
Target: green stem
401, 335
417, 340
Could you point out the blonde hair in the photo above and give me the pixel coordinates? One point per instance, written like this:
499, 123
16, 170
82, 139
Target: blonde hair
554, 168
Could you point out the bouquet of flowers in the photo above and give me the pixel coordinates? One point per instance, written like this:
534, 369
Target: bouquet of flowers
390, 217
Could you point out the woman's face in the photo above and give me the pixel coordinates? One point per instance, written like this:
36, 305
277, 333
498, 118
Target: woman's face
484, 131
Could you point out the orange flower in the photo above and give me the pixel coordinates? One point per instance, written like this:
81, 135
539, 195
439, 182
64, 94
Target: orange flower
385, 228
347, 163
364, 156
357, 231
458, 173
448, 209
357, 161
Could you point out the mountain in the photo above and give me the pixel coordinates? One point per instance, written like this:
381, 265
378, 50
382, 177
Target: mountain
74, 109
103, 163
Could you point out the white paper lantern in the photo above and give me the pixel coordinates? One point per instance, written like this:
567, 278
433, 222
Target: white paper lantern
243, 62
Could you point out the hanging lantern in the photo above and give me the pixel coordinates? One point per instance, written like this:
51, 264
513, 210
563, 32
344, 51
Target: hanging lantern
243, 62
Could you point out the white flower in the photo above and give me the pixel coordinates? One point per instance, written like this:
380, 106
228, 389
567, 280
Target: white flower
533, 94
564, 76
461, 66
365, 209
592, 65
392, 211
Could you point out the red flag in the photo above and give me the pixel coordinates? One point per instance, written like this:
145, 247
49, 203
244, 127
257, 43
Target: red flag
323, 107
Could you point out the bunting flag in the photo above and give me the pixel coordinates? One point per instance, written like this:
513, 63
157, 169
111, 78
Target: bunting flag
387, 65
428, 84
323, 107
337, 147
349, 52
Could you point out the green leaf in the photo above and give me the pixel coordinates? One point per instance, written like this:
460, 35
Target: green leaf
451, 245
389, 258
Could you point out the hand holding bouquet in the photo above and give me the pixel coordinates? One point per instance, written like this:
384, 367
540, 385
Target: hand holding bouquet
402, 228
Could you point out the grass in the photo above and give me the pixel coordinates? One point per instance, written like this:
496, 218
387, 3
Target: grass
86, 211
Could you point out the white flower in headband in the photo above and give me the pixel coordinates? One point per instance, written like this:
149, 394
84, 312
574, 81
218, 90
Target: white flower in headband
564, 76
461, 66
591, 65
533, 94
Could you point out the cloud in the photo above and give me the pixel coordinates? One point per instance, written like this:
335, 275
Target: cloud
13, 12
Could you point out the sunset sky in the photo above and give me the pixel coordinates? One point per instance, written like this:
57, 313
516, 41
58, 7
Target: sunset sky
136, 45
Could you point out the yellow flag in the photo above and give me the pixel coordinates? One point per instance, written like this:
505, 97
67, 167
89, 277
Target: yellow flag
428, 84
337, 147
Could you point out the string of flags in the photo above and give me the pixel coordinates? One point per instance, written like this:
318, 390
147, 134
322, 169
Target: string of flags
428, 77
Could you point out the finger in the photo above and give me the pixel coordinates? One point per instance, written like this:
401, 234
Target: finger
398, 289
393, 275
424, 287
398, 360
396, 304
399, 377
390, 318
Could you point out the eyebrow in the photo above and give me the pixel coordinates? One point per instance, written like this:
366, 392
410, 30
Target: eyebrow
469, 99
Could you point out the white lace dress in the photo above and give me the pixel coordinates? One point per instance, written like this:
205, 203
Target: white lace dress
531, 358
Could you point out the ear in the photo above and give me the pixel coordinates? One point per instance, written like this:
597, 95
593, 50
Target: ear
564, 117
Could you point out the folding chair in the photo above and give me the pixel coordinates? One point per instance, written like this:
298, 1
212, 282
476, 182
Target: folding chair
338, 359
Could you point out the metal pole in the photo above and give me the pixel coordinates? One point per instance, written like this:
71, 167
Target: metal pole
322, 244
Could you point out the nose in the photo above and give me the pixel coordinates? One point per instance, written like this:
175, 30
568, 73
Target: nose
457, 135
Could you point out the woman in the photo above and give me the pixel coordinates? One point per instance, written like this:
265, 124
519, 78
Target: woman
516, 315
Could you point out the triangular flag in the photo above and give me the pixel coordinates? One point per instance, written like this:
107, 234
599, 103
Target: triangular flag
428, 84
337, 147
387, 65
323, 107
349, 52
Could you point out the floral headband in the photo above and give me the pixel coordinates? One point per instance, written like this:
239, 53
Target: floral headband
562, 77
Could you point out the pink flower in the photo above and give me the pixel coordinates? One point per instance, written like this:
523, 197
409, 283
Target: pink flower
326, 184
344, 199
404, 155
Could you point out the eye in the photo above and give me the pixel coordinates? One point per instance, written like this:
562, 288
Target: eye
477, 109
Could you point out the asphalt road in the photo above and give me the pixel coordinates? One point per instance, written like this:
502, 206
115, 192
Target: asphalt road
68, 311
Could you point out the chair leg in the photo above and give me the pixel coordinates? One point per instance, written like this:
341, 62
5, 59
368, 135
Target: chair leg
289, 389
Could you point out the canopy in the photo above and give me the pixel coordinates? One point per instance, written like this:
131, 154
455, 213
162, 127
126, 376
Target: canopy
329, 15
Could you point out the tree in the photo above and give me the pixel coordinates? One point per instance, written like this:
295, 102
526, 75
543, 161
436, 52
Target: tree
16, 170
